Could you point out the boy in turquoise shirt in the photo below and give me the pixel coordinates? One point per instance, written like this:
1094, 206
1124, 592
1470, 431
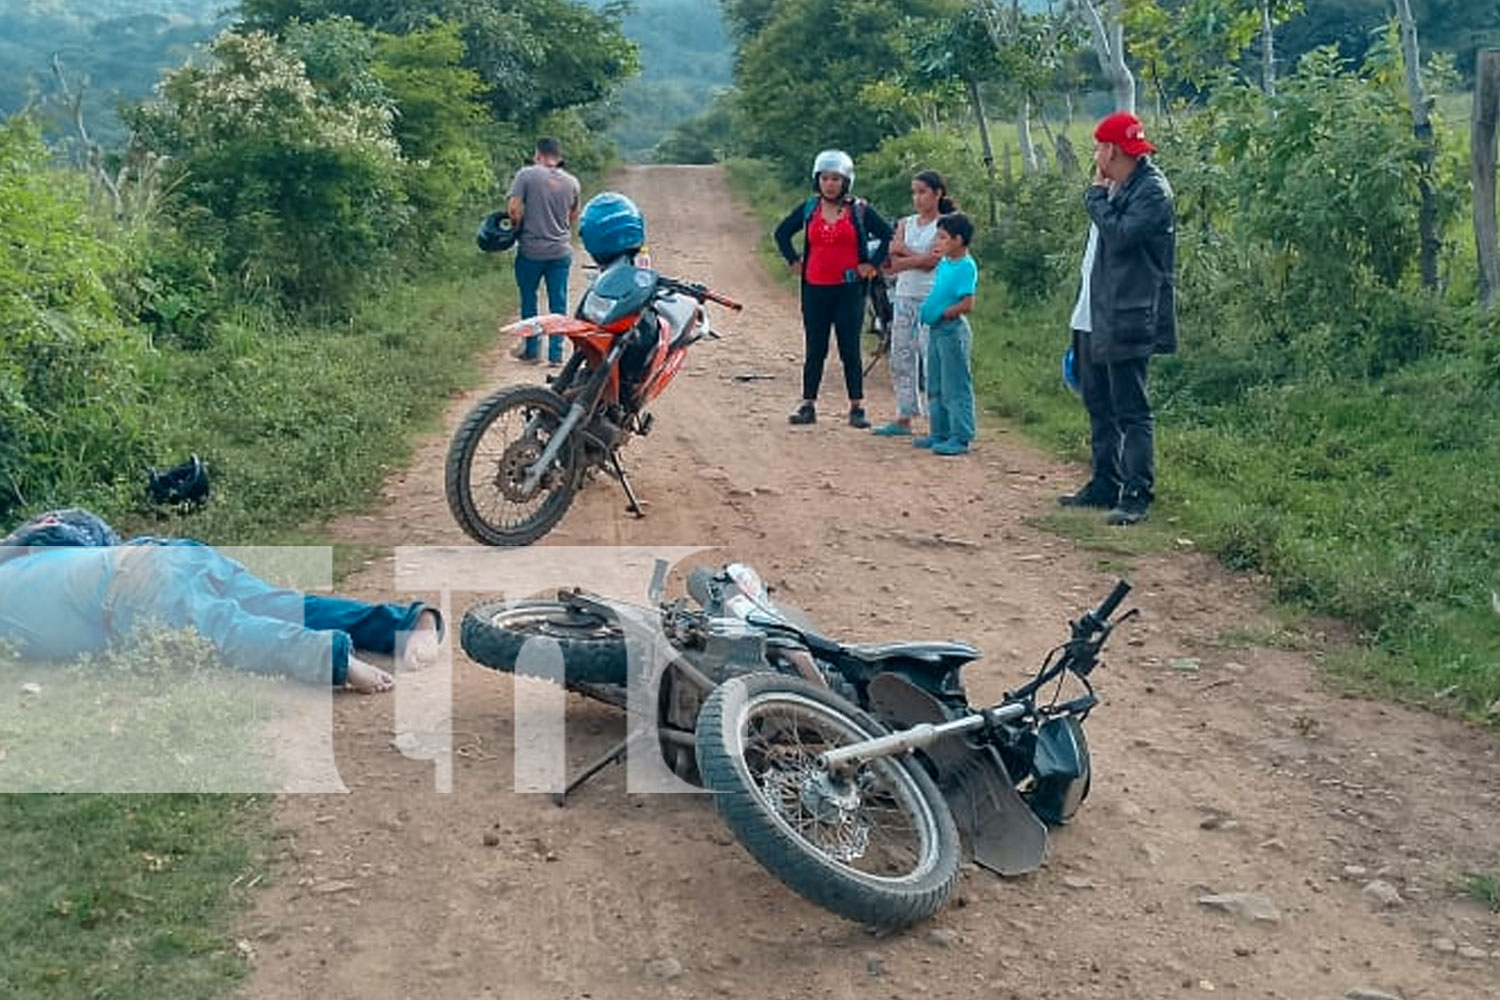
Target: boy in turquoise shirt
950, 384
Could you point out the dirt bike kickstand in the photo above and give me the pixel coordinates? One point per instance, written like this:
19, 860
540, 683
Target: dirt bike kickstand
635, 504
615, 755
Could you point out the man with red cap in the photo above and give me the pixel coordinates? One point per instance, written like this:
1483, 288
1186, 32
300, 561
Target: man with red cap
1133, 315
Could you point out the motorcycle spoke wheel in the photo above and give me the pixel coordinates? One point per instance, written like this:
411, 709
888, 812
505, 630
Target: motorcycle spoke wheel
876, 845
489, 462
593, 647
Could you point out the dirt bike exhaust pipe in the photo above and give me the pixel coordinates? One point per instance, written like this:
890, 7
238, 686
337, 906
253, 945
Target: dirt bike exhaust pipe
549, 454
918, 736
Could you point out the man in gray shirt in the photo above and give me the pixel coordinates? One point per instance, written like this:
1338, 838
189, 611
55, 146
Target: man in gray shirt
543, 205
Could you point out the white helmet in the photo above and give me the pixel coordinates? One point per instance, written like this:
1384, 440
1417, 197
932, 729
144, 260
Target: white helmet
834, 161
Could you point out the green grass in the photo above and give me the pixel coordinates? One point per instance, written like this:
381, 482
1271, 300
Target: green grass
1484, 887
134, 897
125, 896
300, 425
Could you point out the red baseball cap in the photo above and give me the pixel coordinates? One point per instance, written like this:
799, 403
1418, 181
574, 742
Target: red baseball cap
1126, 131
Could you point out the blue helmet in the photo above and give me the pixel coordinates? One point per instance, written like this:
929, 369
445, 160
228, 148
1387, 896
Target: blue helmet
1070, 371
610, 226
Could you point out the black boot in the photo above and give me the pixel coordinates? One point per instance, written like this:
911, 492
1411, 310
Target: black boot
806, 414
1091, 495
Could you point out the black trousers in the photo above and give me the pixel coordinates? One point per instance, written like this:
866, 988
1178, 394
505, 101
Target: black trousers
1121, 428
842, 309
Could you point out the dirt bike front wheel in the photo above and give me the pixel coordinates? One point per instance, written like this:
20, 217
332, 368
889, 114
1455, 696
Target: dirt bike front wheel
877, 846
489, 461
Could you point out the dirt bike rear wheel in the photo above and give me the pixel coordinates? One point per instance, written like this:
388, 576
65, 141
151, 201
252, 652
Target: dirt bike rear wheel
487, 462
593, 647
881, 848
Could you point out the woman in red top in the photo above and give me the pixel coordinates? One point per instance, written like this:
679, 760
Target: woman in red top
844, 243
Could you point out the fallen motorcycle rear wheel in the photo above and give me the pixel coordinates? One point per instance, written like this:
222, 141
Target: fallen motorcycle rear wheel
877, 846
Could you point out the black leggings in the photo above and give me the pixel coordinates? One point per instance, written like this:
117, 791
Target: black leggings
842, 308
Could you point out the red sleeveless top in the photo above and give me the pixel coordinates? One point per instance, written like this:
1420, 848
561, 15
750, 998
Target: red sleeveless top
832, 248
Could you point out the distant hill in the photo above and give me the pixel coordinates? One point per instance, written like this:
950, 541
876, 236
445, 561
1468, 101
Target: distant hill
685, 56
115, 50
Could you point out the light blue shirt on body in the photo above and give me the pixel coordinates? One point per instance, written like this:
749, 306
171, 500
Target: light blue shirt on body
953, 281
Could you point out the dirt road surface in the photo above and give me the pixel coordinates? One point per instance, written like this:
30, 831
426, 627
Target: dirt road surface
1221, 766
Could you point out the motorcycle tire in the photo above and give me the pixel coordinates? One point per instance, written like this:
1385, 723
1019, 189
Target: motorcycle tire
496, 469
758, 737
593, 647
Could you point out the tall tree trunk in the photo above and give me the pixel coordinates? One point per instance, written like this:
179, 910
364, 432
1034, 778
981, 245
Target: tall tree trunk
1107, 30
1421, 125
1482, 153
976, 101
1023, 135
1267, 50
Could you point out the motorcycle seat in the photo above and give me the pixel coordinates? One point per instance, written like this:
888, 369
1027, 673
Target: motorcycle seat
937, 655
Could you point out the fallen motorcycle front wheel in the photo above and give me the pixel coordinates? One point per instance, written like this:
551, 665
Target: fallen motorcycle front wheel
876, 845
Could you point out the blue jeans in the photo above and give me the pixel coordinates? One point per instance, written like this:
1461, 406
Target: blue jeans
254, 625
950, 384
529, 273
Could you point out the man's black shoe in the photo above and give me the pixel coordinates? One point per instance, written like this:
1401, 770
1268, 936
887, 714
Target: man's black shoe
857, 418
1090, 496
1127, 514
806, 414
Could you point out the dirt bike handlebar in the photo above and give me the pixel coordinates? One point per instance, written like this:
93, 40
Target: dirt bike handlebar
699, 291
1099, 617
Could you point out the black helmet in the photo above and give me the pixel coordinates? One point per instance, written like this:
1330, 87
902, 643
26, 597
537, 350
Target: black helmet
185, 484
496, 233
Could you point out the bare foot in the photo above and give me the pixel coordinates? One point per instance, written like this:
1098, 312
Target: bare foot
366, 678
422, 643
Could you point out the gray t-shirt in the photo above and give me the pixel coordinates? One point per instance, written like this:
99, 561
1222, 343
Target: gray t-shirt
548, 195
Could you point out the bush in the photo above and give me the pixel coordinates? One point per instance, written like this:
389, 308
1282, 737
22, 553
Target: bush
72, 412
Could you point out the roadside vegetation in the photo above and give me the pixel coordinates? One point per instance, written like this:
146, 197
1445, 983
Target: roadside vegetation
275, 270
1333, 419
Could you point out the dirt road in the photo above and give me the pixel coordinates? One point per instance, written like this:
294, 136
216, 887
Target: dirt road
1221, 766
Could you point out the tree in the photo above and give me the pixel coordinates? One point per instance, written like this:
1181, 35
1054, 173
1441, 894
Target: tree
535, 57
1482, 155
300, 193
818, 75
1105, 21
1421, 124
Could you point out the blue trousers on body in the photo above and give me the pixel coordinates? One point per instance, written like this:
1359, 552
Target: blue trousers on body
950, 382
554, 272
254, 625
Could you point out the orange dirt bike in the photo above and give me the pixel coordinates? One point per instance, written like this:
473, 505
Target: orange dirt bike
520, 455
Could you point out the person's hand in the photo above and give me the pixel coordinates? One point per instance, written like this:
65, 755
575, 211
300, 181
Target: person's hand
794, 263
1100, 180
867, 270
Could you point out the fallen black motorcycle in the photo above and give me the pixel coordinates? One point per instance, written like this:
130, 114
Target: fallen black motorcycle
849, 771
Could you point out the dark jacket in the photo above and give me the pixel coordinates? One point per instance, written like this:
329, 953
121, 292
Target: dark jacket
868, 225
1132, 288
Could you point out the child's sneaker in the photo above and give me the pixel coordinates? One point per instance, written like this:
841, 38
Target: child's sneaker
893, 429
952, 446
925, 441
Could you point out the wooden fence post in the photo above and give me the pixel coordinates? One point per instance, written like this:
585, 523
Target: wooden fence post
1482, 154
